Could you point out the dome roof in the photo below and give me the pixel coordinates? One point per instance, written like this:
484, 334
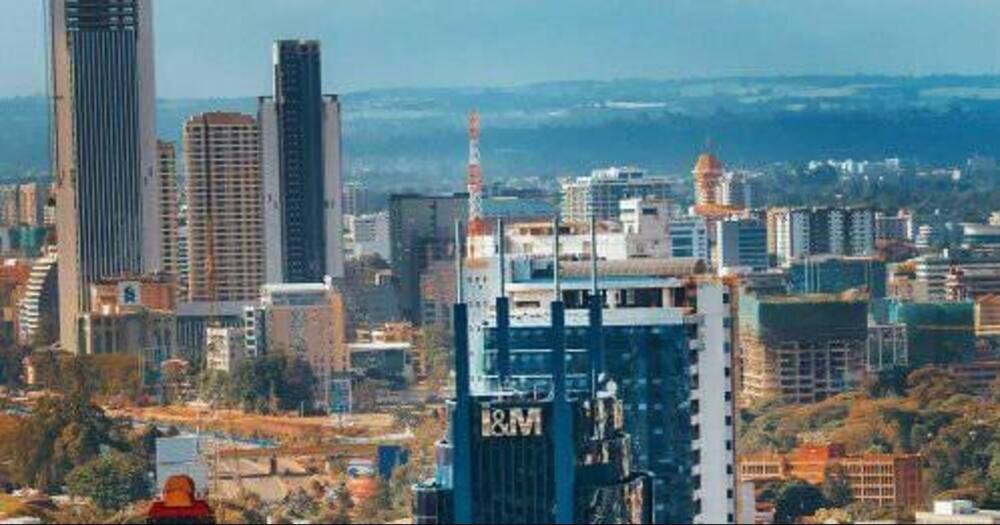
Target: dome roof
708, 163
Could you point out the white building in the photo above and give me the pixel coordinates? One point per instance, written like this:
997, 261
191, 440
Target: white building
368, 235
958, 511
599, 194
224, 348
800, 232
688, 238
40, 300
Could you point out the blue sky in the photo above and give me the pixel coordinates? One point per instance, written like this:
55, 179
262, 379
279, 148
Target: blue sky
208, 48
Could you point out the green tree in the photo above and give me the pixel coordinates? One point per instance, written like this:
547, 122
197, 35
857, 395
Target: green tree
111, 481
837, 487
797, 500
61, 433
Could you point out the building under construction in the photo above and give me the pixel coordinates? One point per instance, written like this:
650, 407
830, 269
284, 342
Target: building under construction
801, 348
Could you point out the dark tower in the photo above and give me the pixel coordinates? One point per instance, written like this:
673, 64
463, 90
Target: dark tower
298, 100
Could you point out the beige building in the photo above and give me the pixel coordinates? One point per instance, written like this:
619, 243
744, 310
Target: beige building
32, 198
166, 176
225, 214
305, 320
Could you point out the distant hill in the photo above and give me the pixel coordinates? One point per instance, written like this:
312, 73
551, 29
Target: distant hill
545, 130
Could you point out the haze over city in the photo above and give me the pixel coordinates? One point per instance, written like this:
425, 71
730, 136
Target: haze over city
442, 261
220, 48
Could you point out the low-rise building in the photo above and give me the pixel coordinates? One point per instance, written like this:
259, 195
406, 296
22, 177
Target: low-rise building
958, 512
885, 480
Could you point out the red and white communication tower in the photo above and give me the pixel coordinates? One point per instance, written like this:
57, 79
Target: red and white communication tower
477, 226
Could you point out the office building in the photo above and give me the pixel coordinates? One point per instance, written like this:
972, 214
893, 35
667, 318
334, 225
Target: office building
166, 172
801, 348
801, 232
225, 226
104, 145
667, 368
891, 481
955, 275
303, 197
547, 456
599, 194
741, 244
133, 315
421, 230
688, 238
368, 235
301, 320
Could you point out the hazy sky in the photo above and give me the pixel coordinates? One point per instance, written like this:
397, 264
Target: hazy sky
222, 47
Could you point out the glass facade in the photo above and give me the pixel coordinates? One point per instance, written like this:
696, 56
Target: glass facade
299, 103
650, 365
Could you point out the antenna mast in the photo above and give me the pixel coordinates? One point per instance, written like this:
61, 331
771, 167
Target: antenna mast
477, 226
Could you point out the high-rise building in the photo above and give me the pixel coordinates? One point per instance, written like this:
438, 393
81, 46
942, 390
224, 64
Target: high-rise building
225, 222
356, 198
166, 174
551, 455
800, 232
32, 198
666, 342
104, 147
599, 194
421, 230
300, 136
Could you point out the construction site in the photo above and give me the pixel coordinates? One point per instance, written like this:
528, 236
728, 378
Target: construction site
818, 356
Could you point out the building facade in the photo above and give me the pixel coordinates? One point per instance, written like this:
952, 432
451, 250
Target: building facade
893, 481
421, 230
599, 194
166, 174
300, 129
104, 144
305, 321
225, 223
667, 344
818, 356
800, 232
742, 244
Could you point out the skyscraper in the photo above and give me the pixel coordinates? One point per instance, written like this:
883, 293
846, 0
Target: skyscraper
166, 177
104, 147
300, 130
225, 221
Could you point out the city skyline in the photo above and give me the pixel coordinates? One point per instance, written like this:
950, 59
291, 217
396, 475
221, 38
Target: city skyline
516, 43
